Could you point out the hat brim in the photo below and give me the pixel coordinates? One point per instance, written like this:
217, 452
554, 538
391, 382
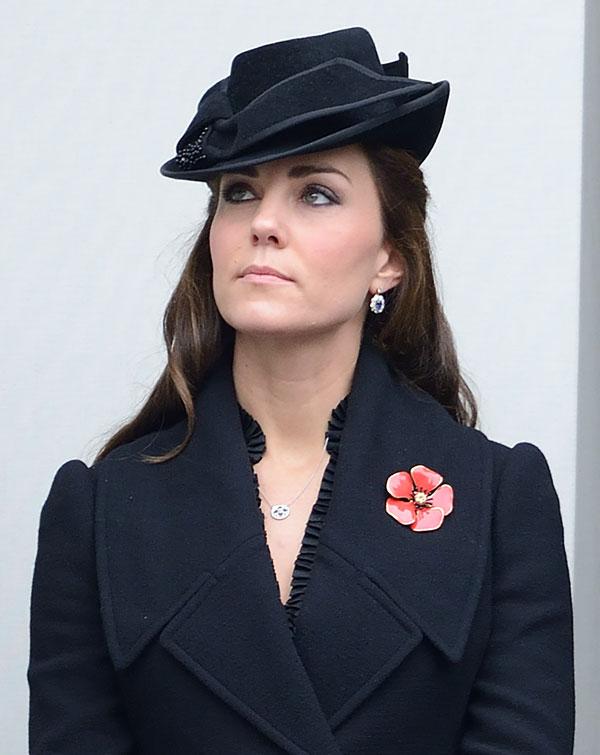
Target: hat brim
413, 126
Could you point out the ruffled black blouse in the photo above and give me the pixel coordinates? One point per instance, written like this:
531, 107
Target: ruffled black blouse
256, 444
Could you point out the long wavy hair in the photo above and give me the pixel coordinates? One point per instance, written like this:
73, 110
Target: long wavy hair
412, 331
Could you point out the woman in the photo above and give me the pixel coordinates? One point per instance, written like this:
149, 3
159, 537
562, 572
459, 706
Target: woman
302, 543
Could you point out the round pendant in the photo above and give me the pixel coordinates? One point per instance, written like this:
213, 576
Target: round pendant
280, 511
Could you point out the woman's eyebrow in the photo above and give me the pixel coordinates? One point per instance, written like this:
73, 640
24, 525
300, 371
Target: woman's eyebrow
298, 171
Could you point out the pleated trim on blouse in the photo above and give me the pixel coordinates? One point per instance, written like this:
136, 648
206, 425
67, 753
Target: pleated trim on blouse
256, 444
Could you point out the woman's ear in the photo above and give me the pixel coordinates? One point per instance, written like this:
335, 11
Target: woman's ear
392, 267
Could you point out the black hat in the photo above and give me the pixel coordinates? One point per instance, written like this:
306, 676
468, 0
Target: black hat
305, 95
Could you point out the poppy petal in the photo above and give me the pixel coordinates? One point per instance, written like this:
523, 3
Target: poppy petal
402, 511
428, 519
399, 485
442, 497
425, 478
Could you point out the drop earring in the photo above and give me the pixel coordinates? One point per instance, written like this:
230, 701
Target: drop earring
377, 303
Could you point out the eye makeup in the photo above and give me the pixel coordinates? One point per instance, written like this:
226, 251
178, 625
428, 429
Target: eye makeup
229, 190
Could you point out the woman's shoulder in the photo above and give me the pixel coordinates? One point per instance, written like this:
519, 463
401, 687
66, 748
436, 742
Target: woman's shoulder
67, 512
521, 480
523, 463
504, 457
72, 480
520, 470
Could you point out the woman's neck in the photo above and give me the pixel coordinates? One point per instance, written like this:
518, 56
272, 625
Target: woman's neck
291, 389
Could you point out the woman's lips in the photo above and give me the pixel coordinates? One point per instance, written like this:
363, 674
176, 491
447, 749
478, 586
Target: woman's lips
264, 278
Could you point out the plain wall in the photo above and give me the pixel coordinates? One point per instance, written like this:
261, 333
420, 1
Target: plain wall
95, 98
586, 575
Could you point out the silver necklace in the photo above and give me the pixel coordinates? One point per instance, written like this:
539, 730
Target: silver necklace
282, 510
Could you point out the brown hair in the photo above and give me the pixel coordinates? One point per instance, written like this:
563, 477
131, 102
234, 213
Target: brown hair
412, 331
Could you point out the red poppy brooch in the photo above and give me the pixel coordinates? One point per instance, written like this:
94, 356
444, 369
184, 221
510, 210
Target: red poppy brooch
418, 499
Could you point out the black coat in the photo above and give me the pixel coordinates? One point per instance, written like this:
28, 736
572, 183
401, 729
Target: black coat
157, 626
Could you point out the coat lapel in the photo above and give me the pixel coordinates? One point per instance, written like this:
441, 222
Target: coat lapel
182, 556
378, 588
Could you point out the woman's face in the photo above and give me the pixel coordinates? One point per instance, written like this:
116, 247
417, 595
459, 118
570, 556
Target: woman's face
316, 218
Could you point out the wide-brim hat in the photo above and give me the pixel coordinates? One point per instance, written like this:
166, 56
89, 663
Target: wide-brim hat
306, 95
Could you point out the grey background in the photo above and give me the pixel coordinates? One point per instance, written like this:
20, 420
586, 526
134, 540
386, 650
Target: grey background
95, 95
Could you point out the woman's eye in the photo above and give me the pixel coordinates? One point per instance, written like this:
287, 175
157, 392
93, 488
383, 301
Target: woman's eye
331, 199
231, 191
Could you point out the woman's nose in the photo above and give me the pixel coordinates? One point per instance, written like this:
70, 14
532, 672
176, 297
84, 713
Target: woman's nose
268, 223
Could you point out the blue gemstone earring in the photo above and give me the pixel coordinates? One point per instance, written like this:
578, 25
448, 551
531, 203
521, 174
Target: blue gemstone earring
377, 303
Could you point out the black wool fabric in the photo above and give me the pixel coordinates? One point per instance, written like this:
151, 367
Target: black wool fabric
157, 626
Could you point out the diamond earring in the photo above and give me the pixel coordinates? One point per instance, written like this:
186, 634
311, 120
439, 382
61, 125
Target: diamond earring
377, 303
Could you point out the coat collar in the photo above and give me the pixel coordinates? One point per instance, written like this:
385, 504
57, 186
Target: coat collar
182, 556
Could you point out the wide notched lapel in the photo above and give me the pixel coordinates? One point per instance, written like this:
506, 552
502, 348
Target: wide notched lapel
377, 588
182, 555
199, 576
